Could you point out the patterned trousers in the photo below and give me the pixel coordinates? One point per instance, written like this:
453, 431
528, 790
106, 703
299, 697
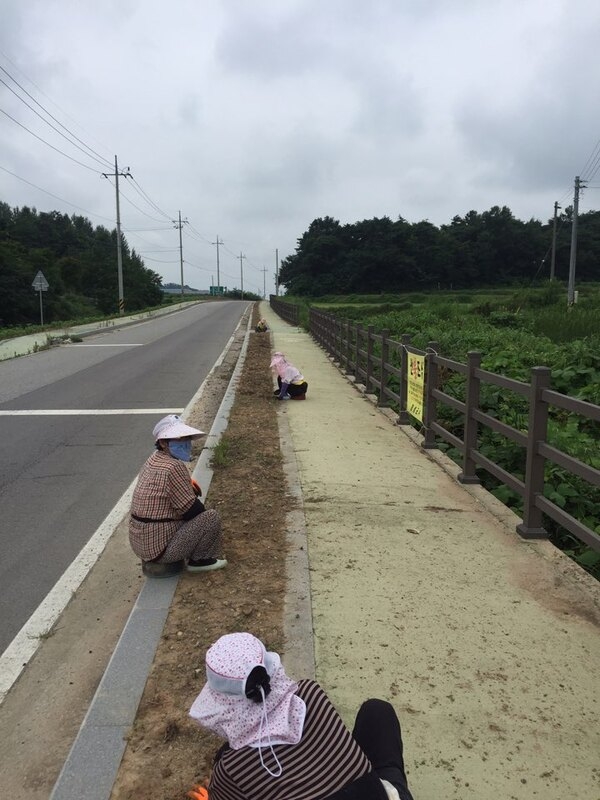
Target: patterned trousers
197, 538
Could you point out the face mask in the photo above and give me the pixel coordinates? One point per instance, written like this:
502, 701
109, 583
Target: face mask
181, 450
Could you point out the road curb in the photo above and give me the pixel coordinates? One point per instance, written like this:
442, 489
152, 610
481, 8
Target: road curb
93, 762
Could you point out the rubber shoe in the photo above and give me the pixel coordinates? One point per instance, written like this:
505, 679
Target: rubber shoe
205, 564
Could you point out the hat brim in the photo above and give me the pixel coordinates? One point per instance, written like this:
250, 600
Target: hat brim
179, 430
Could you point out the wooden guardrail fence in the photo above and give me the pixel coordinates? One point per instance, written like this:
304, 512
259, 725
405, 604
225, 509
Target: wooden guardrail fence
381, 365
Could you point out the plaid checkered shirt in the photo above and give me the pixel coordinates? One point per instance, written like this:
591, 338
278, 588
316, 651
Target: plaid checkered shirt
161, 497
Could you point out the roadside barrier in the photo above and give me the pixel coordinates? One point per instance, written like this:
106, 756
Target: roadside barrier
287, 311
381, 365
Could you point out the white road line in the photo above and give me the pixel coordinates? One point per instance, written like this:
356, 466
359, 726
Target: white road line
26, 642
131, 344
19, 652
65, 412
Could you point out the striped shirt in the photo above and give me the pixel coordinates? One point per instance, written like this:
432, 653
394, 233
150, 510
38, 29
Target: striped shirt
163, 494
325, 760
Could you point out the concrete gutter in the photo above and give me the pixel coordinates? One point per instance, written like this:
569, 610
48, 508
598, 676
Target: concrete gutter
93, 762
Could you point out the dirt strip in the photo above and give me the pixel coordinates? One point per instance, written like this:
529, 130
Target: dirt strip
166, 752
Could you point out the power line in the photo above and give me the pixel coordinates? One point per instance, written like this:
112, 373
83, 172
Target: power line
193, 236
97, 157
231, 253
191, 263
131, 203
41, 91
135, 230
161, 250
594, 158
148, 199
199, 234
92, 169
160, 261
56, 197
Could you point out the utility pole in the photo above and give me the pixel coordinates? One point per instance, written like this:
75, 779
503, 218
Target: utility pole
277, 272
218, 242
553, 259
573, 257
115, 175
180, 225
242, 257
264, 272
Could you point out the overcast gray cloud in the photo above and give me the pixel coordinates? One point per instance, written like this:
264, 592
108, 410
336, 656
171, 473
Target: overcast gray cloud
253, 118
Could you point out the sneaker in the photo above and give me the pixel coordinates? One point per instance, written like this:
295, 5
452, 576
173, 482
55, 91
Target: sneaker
205, 564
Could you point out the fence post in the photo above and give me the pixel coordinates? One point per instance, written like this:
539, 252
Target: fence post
470, 426
431, 383
382, 400
322, 333
403, 415
348, 347
369, 369
313, 325
338, 337
357, 329
531, 527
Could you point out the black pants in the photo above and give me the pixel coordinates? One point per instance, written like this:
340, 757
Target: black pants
377, 730
294, 389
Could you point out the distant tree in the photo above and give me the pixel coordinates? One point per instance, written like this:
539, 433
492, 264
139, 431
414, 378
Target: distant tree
378, 255
78, 261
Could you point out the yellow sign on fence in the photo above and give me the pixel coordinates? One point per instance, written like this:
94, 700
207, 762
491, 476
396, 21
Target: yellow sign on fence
416, 385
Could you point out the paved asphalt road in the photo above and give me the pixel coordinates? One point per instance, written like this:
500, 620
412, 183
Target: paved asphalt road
60, 475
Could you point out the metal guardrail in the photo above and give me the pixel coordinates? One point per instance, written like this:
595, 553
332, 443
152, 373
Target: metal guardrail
381, 363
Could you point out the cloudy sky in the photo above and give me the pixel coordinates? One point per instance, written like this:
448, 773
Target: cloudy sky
254, 117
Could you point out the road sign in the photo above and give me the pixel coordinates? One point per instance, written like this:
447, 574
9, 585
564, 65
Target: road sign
40, 284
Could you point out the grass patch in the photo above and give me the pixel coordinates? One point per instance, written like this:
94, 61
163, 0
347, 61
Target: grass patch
221, 455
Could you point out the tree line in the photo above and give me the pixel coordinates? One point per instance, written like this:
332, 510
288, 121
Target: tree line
78, 260
480, 249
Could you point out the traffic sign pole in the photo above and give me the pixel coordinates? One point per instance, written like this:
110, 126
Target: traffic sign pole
40, 284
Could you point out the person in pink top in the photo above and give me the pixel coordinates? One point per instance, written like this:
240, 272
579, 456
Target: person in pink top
291, 382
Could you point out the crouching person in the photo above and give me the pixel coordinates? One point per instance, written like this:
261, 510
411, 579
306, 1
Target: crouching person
290, 381
284, 739
168, 521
